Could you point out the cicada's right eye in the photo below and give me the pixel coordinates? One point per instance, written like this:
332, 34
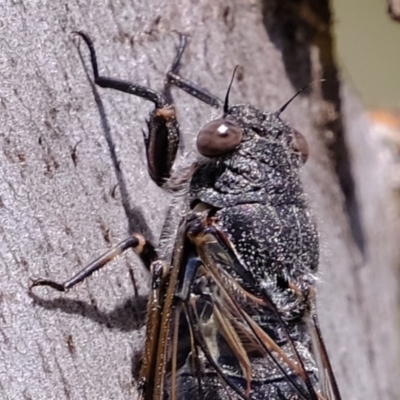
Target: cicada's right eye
218, 137
301, 145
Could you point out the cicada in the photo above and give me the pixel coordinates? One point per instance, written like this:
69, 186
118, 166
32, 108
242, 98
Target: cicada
231, 313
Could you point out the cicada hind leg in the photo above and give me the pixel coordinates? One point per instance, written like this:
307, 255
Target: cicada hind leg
137, 242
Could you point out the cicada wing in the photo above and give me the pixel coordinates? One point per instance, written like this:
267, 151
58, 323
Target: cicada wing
327, 387
161, 318
198, 302
216, 253
327, 380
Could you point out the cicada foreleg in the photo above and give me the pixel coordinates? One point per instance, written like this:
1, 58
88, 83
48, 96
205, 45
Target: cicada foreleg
174, 78
142, 247
162, 138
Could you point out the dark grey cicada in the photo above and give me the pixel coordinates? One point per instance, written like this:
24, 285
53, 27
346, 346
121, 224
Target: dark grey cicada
231, 315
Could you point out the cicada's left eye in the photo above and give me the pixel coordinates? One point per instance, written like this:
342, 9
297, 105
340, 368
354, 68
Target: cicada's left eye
218, 137
300, 143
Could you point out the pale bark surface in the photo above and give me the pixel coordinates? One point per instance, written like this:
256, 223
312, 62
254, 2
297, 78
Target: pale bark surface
74, 182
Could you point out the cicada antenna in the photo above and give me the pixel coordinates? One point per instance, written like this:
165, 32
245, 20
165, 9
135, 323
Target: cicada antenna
226, 102
283, 108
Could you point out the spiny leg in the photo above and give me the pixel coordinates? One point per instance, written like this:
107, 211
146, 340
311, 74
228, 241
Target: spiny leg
173, 78
162, 139
118, 84
142, 247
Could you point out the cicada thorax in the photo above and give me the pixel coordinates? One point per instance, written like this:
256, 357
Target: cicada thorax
259, 202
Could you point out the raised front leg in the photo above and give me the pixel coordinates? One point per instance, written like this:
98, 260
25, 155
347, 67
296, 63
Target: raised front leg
173, 78
162, 138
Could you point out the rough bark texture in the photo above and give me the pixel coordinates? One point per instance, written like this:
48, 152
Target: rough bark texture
75, 182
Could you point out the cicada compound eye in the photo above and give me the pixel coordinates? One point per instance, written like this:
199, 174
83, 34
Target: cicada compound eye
301, 145
218, 137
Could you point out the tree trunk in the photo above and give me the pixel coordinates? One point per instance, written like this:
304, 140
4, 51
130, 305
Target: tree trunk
75, 182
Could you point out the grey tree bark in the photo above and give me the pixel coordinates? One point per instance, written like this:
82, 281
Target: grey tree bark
75, 182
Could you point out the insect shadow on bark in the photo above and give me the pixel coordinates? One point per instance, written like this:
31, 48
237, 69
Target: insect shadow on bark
130, 315
136, 220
